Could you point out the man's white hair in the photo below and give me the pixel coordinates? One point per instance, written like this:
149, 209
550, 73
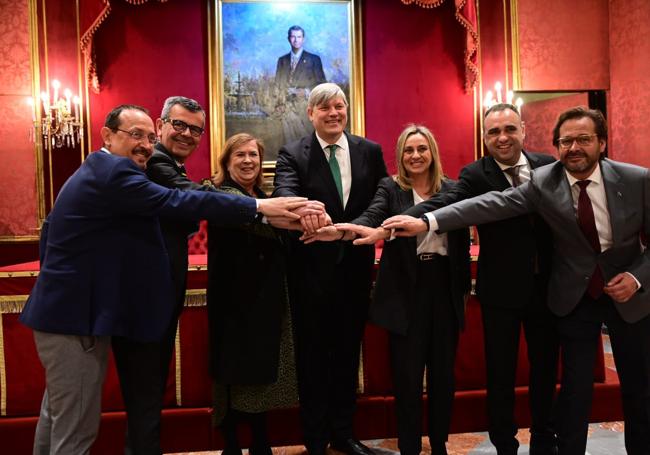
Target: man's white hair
324, 93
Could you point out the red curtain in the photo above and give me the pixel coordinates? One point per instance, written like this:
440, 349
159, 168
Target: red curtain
466, 15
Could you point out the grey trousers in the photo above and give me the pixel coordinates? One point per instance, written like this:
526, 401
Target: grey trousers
75, 367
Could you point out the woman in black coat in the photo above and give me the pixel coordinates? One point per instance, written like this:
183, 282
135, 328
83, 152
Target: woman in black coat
420, 293
251, 347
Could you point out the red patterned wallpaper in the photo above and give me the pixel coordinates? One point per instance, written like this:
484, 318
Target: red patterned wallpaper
563, 45
18, 199
629, 98
414, 73
540, 118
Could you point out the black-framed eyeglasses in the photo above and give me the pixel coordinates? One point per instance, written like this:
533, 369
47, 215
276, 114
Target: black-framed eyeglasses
140, 136
583, 140
180, 126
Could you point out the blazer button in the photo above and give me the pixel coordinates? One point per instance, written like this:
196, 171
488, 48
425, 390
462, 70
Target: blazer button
587, 278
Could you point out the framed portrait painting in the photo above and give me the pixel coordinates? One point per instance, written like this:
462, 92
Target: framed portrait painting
267, 56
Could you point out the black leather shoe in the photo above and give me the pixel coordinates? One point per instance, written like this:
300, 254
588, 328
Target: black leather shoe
548, 450
231, 451
351, 447
438, 448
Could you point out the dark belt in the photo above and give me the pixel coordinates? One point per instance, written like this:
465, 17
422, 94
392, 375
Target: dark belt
430, 256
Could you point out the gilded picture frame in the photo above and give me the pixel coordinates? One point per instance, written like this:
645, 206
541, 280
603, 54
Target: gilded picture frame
254, 87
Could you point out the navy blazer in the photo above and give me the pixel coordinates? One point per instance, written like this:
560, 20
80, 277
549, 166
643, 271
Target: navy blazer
101, 245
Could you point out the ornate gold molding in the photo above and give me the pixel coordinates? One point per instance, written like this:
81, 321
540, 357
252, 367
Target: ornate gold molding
514, 44
215, 84
3, 373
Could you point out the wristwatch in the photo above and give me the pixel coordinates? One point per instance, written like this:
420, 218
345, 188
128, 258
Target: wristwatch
426, 221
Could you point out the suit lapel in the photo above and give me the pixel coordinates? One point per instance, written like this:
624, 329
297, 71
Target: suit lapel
494, 174
561, 199
357, 164
614, 192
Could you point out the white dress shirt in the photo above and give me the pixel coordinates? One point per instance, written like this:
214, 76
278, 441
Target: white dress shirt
430, 242
343, 158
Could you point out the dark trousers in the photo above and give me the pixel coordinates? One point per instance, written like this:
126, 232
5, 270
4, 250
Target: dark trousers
330, 313
431, 341
138, 367
579, 336
502, 328
143, 369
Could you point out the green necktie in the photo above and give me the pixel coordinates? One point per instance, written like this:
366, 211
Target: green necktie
336, 170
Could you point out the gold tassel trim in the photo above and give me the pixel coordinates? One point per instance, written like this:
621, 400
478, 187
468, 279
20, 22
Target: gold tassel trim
12, 304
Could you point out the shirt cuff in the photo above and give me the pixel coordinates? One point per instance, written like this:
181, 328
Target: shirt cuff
638, 284
433, 224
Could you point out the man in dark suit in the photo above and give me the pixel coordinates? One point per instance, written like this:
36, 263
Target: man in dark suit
330, 281
599, 213
99, 245
179, 129
298, 69
512, 276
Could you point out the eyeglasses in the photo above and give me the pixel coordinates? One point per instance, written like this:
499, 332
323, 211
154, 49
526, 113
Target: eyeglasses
583, 140
140, 136
180, 126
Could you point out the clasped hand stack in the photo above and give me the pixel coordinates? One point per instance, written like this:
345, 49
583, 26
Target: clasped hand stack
310, 217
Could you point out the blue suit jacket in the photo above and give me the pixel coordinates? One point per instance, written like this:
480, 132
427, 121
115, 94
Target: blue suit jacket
101, 245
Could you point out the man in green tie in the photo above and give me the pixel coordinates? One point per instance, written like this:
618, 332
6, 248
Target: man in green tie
330, 281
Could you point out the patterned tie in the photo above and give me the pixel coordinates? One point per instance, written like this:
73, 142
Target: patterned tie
587, 222
336, 170
513, 172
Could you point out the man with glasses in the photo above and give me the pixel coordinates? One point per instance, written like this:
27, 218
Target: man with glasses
179, 128
105, 273
599, 213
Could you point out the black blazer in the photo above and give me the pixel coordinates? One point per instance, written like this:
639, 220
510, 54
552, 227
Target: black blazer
302, 170
163, 170
394, 295
247, 299
513, 250
308, 73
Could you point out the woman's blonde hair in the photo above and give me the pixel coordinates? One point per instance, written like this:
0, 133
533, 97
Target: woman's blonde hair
435, 169
229, 147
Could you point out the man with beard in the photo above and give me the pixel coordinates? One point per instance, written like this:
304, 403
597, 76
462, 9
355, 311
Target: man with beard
99, 247
599, 213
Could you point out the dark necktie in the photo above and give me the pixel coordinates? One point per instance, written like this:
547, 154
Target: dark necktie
336, 170
182, 170
513, 172
587, 223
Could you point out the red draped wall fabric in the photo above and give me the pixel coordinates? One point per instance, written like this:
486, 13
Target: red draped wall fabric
466, 16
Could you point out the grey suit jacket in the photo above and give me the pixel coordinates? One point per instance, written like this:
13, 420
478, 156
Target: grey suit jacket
627, 188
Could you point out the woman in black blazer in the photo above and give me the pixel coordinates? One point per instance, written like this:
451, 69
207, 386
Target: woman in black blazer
419, 294
251, 346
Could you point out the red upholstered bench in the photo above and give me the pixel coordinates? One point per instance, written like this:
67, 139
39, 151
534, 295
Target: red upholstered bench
187, 413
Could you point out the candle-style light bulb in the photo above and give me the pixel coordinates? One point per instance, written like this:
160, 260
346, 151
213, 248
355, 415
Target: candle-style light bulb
46, 102
489, 99
510, 96
519, 103
56, 85
68, 96
77, 105
497, 89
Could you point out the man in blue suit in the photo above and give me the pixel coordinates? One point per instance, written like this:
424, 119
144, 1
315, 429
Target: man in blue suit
99, 246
